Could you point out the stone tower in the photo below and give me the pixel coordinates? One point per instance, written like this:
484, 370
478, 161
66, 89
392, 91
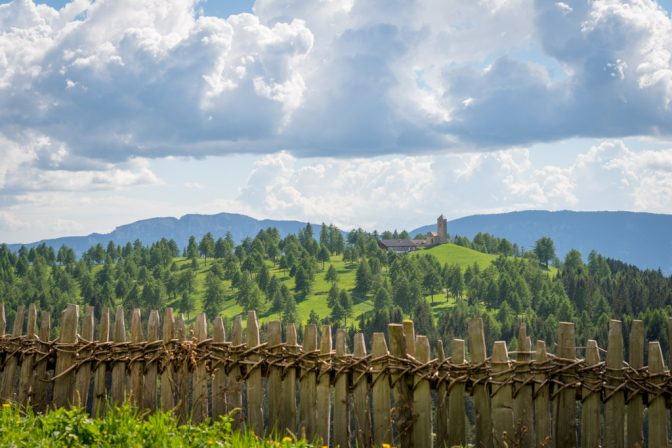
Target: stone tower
442, 229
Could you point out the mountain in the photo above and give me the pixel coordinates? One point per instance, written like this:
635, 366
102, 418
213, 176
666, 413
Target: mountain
178, 229
642, 239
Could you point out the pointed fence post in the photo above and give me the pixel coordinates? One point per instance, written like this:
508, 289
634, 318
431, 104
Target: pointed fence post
542, 397
403, 398
590, 414
26, 381
183, 372
255, 390
100, 373
65, 374
274, 375
635, 400
288, 415
341, 402
523, 409
565, 422
483, 427
457, 429
83, 376
502, 399
41, 384
422, 398
200, 391
119, 367
382, 424
308, 404
169, 373
9, 373
234, 396
151, 369
442, 405
361, 396
657, 410
323, 387
614, 408
219, 376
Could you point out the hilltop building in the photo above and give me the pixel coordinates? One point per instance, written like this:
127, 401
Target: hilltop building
433, 239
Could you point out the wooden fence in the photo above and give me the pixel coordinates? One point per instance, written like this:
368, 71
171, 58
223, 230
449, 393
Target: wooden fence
397, 393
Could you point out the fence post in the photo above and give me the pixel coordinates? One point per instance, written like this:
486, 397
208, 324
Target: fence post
234, 395
341, 404
3, 320
442, 404
323, 387
502, 400
614, 408
64, 374
382, 425
255, 391
308, 386
274, 375
657, 411
99, 383
457, 433
83, 375
288, 415
523, 409
168, 374
565, 424
635, 400
403, 399
422, 398
9, 373
590, 413
361, 397
40, 384
136, 361
409, 335
483, 426
149, 392
119, 367
182, 371
26, 381
542, 405
200, 391
219, 376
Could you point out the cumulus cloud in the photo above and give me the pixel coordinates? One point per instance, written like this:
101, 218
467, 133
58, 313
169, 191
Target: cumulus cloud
410, 190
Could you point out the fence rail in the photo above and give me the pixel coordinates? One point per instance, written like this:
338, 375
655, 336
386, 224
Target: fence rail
399, 395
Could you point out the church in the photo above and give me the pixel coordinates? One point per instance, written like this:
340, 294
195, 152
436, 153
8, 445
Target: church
433, 239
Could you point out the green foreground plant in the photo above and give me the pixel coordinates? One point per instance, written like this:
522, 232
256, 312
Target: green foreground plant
123, 426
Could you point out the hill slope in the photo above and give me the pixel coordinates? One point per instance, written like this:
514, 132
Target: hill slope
642, 239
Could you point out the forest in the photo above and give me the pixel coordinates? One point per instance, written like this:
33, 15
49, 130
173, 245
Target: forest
348, 281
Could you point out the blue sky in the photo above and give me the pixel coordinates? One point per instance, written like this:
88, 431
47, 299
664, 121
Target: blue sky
372, 113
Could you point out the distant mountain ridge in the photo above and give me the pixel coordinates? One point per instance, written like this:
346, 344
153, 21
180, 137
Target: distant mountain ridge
642, 239
179, 229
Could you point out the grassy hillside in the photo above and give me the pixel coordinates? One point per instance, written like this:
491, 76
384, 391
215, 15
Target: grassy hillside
462, 256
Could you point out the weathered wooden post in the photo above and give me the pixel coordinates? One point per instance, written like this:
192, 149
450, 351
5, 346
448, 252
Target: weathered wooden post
523, 409
275, 376
657, 411
219, 376
442, 405
361, 398
590, 414
636, 401
151, 371
183, 373
234, 395
26, 381
100, 373
457, 432
323, 385
200, 391
288, 416
565, 424
168, 375
382, 425
614, 408
83, 375
422, 398
64, 385
137, 364
9, 372
502, 399
308, 403
403, 399
542, 397
481, 391
119, 367
41, 384
341, 403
